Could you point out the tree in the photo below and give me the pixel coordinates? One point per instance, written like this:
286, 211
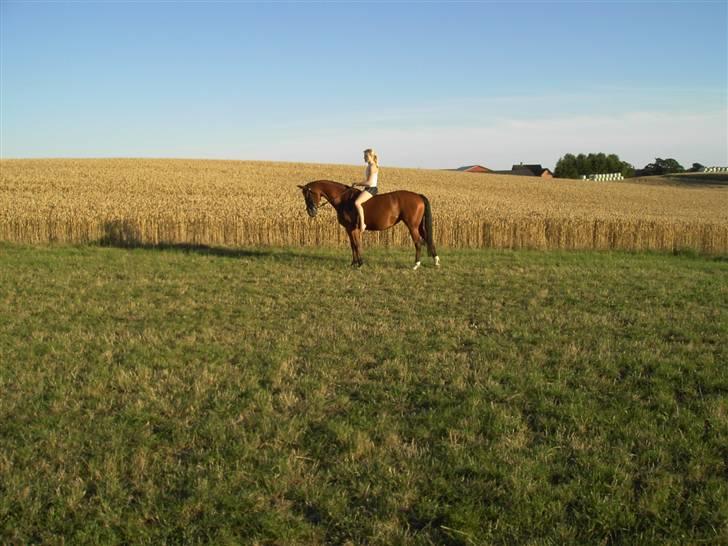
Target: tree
599, 163
626, 169
614, 165
571, 166
583, 163
663, 166
566, 167
697, 167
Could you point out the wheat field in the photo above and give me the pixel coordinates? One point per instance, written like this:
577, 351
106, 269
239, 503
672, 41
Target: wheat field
242, 203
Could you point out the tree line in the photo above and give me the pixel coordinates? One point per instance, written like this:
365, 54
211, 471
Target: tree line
576, 166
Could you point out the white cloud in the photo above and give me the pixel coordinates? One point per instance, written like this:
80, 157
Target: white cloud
637, 137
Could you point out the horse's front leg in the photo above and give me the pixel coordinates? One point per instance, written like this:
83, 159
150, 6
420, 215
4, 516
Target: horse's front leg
352, 243
354, 233
357, 238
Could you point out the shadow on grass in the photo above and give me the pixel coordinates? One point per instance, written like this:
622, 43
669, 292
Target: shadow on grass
337, 258
281, 254
124, 234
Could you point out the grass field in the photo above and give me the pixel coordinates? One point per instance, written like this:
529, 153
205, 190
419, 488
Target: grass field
254, 203
275, 396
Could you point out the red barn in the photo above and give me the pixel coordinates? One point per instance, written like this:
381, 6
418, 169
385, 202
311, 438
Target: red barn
474, 169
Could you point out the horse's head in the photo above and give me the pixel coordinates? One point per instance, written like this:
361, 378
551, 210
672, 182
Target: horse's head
312, 195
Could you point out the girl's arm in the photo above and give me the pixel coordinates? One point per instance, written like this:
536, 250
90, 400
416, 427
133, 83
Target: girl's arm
368, 181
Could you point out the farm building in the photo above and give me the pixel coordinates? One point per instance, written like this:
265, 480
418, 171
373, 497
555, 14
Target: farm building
474, 169
529, 170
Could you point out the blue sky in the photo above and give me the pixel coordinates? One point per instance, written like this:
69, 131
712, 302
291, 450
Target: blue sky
437, 84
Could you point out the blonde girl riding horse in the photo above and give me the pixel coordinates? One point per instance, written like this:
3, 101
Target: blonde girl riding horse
369, 184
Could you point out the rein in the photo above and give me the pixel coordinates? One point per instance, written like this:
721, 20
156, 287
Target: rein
326, 199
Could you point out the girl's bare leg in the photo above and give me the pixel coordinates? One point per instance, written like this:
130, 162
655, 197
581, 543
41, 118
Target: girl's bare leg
363, 197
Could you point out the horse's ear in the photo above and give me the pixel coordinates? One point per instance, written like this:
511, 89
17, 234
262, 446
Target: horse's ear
299, 185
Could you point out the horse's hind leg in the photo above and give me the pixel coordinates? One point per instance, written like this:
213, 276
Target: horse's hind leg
430, 244
417, 240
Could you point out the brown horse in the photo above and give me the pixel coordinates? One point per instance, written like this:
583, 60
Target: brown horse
380, 212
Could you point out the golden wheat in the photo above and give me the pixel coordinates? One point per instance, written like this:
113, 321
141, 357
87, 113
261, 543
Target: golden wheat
134, 201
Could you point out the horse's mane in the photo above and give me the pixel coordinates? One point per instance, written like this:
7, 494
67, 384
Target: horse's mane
343, 187
331, 182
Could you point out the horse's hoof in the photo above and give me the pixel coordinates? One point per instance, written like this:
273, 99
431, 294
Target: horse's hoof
417, 265
437, 261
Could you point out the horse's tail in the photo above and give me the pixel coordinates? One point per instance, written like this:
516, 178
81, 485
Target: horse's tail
426, 225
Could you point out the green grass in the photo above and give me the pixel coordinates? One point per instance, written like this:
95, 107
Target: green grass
279, 397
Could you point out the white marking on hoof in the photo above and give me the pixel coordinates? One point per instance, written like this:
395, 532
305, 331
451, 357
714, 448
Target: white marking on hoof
437, 261
418, 264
